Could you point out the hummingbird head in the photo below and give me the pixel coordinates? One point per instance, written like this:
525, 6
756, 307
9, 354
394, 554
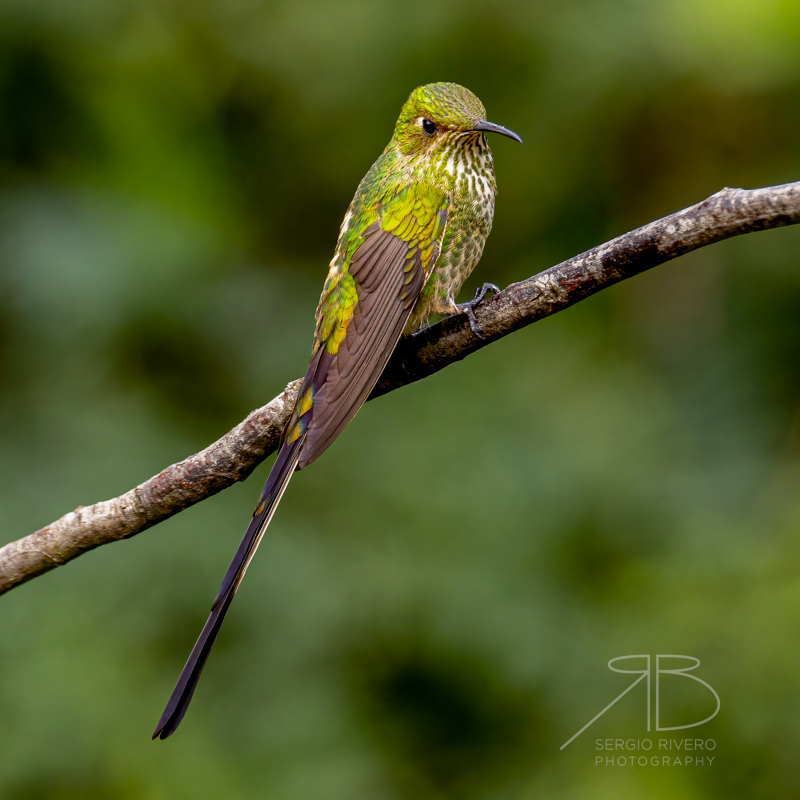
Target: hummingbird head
442, 113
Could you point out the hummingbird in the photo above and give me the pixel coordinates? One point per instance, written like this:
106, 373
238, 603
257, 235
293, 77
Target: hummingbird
413, 233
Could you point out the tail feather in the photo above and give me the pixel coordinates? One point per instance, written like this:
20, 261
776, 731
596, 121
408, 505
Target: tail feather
282, 470
278, 480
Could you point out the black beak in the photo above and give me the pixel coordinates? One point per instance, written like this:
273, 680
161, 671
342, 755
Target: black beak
490, 127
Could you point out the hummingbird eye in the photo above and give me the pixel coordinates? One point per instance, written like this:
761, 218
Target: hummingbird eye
428, 127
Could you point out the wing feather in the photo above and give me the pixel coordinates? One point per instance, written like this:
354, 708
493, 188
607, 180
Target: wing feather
389, 268
364, 306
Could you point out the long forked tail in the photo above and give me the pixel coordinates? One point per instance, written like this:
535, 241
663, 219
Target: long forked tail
276, 484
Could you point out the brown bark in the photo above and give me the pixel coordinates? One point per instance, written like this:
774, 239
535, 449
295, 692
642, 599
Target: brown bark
728, 213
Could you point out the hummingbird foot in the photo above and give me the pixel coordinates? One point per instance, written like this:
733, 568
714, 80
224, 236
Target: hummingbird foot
468, 308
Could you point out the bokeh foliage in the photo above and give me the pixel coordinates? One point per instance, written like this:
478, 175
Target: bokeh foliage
431, 614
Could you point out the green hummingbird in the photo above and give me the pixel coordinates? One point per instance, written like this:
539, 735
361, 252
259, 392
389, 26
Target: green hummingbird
414, 232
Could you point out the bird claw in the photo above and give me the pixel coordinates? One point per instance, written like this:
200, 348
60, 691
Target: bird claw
468, 308
484, 290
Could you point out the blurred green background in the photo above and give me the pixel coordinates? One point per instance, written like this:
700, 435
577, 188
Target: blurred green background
433, 609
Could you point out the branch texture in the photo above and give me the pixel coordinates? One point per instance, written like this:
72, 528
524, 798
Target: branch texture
728, 213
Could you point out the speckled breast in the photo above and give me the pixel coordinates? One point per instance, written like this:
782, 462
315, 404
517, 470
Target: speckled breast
469, 222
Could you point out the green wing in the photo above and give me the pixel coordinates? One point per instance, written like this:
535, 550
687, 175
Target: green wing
365, 304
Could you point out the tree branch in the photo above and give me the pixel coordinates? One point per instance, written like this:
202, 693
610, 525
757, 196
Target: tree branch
728, 213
